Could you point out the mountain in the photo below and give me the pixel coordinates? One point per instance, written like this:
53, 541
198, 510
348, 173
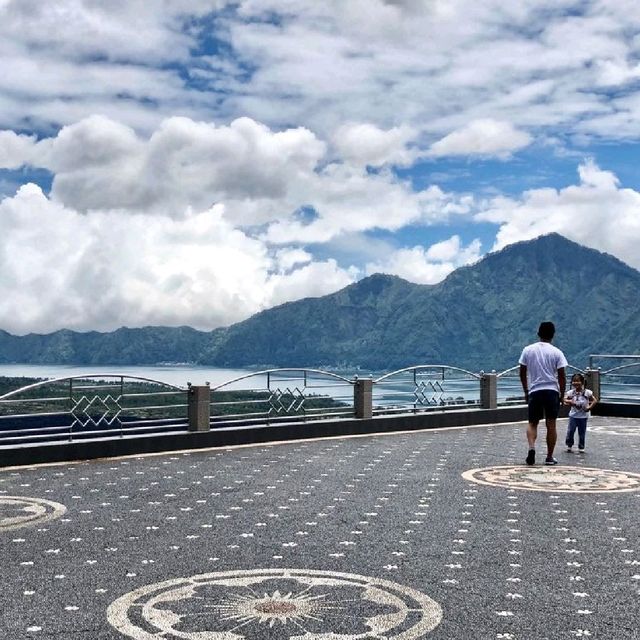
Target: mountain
479, 317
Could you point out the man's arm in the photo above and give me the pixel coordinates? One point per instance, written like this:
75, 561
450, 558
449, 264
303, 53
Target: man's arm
524, 382
562, 381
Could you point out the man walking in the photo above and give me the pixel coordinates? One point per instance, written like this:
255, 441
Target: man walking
543, 378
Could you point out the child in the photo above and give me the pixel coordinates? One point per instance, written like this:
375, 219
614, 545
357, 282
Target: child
581, 401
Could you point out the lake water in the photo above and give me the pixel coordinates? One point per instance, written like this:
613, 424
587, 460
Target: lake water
173, 374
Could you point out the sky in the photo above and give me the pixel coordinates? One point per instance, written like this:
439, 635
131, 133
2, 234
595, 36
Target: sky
193, 162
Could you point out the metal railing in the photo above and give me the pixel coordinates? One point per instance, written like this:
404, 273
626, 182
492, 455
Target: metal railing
509, 387
91, 406
424, 388
279, 395
620, 383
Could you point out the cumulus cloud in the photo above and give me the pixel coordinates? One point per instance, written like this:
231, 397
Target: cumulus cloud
596, 212
428, 265
61, 268
486, 137
366, 144
15, 150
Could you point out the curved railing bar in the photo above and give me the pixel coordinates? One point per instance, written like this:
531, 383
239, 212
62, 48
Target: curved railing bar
265, 371
622, 366
425, 366
569, 366
86, 376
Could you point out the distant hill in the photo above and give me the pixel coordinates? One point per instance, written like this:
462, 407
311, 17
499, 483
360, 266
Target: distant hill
479, 317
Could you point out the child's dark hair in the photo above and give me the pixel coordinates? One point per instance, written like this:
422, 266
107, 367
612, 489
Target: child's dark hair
579, 376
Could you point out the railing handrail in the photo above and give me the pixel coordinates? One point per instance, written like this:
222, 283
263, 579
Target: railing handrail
86, 376
612, 356
287, 369
426, 366
510, 369
622, 366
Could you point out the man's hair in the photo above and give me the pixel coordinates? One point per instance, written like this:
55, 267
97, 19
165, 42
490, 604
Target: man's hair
547, 330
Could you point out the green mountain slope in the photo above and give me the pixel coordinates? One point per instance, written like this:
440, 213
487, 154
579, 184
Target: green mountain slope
478, 318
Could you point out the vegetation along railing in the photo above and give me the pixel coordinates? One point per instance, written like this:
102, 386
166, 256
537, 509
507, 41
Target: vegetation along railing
94, 406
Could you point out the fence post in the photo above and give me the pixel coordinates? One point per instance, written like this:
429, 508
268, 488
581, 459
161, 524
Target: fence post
488, 390
592, 381
363, 398
199, 407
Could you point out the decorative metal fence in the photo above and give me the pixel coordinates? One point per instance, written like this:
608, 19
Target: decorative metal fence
114, 405
619, 383
424, 388
509, 387
91, 406
279, 395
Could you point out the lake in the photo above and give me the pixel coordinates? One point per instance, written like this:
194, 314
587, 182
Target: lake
177, 375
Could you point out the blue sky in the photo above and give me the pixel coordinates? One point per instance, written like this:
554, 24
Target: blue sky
194, 162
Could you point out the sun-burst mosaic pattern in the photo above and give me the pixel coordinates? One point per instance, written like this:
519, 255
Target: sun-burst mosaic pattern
557, 479
276, 603
18, 511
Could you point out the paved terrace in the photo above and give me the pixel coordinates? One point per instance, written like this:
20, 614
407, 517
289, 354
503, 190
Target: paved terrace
439, 534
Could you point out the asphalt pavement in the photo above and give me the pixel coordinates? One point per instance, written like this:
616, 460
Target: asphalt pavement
438, 534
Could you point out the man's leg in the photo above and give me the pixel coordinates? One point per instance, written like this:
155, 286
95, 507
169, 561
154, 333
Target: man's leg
532, 433
552, 436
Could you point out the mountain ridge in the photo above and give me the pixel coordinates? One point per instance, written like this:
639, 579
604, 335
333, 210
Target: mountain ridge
478, 317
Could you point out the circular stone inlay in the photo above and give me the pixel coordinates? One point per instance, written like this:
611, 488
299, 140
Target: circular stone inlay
18, 511
560, 478
617, 430
275, 603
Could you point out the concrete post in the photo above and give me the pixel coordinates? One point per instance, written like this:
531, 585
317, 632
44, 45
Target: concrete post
592, 381
363, 398
199, 408
488, 390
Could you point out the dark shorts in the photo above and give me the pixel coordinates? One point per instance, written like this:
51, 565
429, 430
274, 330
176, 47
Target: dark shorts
544, 403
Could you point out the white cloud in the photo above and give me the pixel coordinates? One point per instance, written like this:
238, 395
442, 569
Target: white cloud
485, 137
15, 150
258, 175
596, 213
432, 67
366, 144
61, 268
430, 265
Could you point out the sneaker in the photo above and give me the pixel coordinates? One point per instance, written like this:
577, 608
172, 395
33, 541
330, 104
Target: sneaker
531, 457
581, 450
569, 450
550, 461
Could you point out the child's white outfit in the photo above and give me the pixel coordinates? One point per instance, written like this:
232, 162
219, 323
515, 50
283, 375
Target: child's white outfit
578, 416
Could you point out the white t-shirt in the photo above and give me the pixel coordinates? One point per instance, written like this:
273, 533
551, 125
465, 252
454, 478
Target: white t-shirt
542, 360
583, 398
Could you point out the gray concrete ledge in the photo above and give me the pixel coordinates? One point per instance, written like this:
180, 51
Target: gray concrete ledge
253, 434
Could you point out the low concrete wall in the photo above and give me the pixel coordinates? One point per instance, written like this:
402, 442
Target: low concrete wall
227, 436
616, 410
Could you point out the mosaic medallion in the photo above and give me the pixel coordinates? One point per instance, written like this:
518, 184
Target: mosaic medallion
275, 603
17, 511
566, 479
617, 430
